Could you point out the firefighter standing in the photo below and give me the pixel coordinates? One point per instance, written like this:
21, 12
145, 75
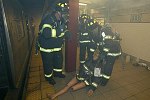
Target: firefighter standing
50, 40
85, 38
110, 49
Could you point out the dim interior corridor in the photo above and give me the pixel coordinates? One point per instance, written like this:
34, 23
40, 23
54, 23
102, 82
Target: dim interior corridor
130, 83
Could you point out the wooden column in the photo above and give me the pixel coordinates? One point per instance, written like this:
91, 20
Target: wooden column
71, 45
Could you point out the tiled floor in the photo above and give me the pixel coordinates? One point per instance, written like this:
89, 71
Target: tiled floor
131, 83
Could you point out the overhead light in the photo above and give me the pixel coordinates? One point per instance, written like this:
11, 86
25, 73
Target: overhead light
82, 4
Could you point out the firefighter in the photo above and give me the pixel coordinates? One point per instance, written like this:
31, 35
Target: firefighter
85, 38
96, 29
86, 77
110, 49
53, 31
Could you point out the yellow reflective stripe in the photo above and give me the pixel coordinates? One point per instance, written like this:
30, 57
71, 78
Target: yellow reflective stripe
94, 84
86, 82
49, 26
59, 4
65, 3
103, 34
61, 35
108, 37
84, 16
66, 31
41, 31
92, 50
91, 23
114, 54
85, 41
105, 49
82, 61
58, 70
101, 75
92, 40
53, 32
49, 50
50, 75
62, 5
85, 67
44, 26
80, 78
106, 77
84, 33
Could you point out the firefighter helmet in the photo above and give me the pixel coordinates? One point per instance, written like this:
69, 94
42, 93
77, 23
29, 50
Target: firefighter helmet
84, 18
61, 6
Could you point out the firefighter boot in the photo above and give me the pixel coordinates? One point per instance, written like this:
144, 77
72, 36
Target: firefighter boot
51, 81
59, 74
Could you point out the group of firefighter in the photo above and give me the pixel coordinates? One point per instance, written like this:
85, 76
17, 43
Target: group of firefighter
99, 48
94, 38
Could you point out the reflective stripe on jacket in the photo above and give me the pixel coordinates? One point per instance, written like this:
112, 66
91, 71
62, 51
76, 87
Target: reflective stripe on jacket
49, 50
49, 26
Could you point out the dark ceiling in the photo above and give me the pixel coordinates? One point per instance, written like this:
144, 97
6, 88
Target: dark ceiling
36, 6
40, 5
32, 4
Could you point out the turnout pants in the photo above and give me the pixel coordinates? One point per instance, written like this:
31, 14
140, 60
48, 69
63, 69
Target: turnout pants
52, 63
107, 69
88, 48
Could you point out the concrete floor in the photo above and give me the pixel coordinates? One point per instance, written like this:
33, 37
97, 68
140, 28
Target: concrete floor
130, 83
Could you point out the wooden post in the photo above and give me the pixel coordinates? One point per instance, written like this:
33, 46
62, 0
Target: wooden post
71, 45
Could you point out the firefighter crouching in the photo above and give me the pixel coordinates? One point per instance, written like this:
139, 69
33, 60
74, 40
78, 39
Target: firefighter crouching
109, 49
87, 77
50, 41
91, 73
